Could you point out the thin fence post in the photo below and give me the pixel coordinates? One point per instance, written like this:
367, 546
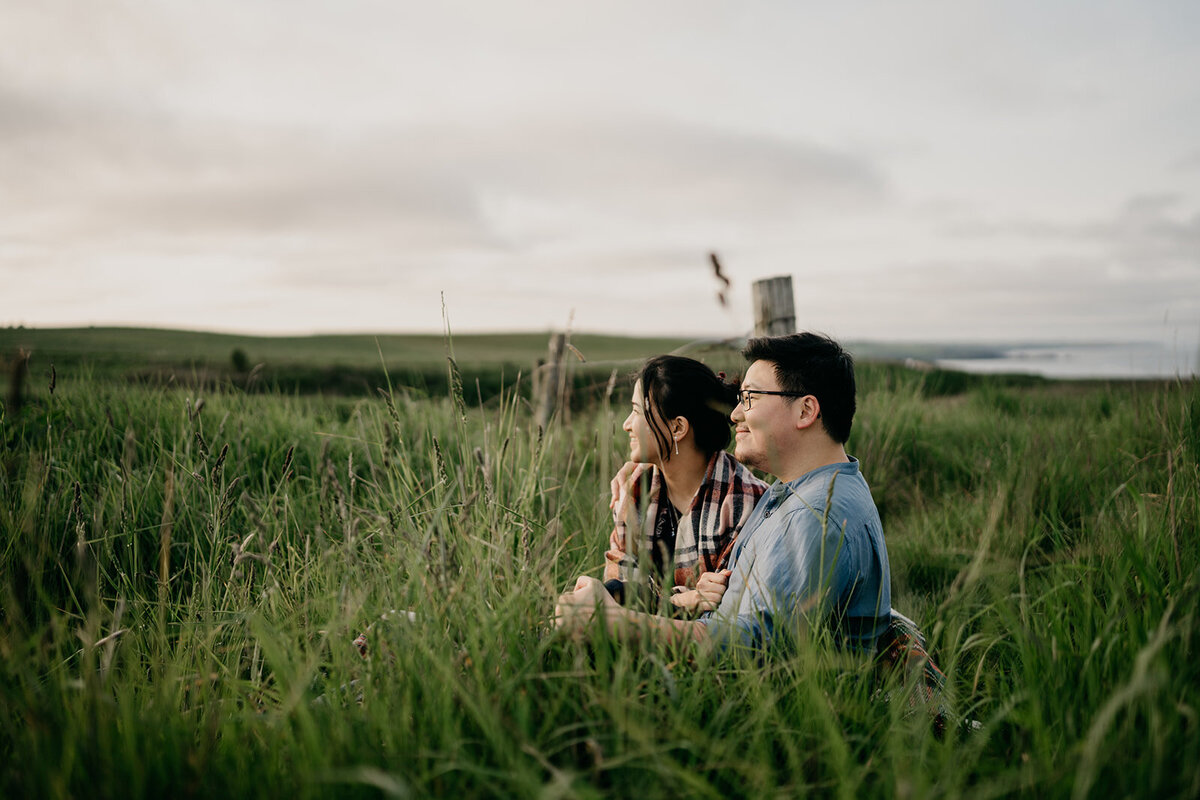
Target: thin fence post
16, 382
774, 307
605, 447
549, 383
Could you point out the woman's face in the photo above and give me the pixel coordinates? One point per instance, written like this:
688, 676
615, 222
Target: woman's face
643, 447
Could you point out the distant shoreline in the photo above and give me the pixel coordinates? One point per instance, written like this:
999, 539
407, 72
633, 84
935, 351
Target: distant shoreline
1063, 360
1142, 360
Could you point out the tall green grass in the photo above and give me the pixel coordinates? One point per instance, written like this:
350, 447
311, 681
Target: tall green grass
183, 577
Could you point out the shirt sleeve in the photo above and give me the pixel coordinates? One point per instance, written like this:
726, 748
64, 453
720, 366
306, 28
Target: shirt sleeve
787, 581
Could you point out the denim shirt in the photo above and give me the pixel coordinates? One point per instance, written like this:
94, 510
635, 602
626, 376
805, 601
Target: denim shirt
811, 551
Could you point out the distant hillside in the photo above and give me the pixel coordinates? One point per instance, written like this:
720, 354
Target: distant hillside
358, 364
348, 364
138, 347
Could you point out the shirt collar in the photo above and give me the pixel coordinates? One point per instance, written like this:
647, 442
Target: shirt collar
780, 490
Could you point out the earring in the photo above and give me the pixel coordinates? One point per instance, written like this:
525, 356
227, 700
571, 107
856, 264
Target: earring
676, 447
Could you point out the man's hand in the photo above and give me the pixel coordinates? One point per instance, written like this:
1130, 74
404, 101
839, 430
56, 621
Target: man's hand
576, 608
711, 588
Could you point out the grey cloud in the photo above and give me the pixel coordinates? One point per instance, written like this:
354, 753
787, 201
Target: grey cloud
23, 114
110, 169
1148, 236
102, 170
312, 198
644, 164
628, 273
1186, 162
1148, 233
1046, 297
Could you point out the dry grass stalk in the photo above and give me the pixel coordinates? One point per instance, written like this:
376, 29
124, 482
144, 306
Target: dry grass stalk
285, 473
130, 453
165, 529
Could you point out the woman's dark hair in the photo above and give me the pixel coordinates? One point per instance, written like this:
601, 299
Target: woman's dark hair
675, 386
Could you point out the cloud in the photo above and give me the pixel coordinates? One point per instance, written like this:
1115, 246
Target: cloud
350, 163
701, 168
996, 299
102, 173
1188, 162
1149, 235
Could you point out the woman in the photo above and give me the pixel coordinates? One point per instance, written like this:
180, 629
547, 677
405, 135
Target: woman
684, 503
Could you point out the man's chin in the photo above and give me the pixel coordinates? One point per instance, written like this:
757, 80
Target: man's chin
746, 458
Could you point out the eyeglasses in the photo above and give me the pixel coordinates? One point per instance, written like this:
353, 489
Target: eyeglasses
744, 395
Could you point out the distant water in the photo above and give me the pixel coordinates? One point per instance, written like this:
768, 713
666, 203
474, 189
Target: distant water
1114, 361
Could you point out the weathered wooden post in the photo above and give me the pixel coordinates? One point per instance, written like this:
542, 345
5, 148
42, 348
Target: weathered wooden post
16, 382
549, 380
774, 308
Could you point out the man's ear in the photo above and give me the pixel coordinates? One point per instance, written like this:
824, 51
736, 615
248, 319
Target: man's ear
807, 410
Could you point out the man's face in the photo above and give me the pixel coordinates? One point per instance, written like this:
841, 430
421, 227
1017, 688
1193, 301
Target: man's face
762, 431
643, 446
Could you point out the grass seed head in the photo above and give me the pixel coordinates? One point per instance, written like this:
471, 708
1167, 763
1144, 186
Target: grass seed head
287, 464
215, 476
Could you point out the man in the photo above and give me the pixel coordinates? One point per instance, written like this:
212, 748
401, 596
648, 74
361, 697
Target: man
813, 548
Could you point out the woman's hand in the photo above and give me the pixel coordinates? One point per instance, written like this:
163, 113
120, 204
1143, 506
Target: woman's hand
619, 486
687, 599
707, 594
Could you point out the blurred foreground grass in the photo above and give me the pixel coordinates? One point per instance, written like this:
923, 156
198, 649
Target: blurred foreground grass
183, 570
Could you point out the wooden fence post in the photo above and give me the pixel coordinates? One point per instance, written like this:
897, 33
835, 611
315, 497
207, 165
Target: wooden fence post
774, 308
16, 382
549, 379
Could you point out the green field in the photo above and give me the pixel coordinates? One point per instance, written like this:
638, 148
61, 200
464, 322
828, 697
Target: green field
351, 365
184, 564
330, 364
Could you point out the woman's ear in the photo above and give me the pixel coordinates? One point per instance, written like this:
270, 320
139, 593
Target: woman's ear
679, 428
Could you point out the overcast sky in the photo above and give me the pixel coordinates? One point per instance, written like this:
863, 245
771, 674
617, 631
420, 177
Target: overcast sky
951, 170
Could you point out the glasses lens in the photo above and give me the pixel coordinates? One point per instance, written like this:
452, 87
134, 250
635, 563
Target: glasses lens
746, 399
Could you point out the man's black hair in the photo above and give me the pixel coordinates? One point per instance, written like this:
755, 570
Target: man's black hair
812, 363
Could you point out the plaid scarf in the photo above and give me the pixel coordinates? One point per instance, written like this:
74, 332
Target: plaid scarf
705, 534
902, 658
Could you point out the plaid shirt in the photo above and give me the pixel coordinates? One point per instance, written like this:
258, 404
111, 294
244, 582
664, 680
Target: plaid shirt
705, 534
